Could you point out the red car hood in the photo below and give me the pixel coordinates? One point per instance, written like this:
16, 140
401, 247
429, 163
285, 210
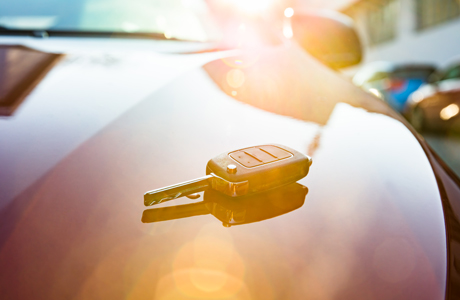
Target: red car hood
101, 130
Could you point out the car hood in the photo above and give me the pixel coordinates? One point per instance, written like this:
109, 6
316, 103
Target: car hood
102, 128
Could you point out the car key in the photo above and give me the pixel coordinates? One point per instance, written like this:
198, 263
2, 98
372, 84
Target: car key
240, 172
248, 209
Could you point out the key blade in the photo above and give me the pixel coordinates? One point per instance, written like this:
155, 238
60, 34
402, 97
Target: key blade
177, 190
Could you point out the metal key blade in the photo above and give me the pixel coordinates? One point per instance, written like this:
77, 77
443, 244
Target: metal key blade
177, 190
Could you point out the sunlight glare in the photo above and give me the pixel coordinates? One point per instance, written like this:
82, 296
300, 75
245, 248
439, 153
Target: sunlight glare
287, 31
288, 12
167, 34
129, 27
235, 78
161, 22
252, 6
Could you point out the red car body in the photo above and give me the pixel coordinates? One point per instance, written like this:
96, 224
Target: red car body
115, 119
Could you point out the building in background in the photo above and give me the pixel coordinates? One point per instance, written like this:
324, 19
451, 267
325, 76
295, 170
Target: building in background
425, 31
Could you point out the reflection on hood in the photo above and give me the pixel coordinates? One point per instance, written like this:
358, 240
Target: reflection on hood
231, 211
21, 69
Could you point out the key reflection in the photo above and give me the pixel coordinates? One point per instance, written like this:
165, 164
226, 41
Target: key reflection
235, 211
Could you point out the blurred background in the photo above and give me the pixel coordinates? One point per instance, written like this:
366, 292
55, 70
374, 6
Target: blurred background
411, 61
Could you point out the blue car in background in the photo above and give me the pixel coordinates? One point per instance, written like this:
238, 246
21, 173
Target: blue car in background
393, 82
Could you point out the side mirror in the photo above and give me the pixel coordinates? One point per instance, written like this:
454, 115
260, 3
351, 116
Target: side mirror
328, 36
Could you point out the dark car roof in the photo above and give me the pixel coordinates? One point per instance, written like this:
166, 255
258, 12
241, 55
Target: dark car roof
370, 224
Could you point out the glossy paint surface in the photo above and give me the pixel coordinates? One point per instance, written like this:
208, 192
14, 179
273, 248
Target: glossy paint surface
370, 227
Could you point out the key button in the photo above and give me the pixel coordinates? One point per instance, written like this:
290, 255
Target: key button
246, 159
256, 156
275, 152
231, 169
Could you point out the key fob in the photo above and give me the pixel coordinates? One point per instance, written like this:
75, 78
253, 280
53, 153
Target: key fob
241, 172
260, 167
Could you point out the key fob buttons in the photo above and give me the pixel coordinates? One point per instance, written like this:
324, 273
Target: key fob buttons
263, 167
259, 155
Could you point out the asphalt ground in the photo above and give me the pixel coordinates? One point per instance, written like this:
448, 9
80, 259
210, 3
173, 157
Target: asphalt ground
447, 147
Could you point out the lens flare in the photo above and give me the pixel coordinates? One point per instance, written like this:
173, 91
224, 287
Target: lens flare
252, 6
287, 30
235, 78
289, 12
194, 283
241, 62
168, 34
208, 267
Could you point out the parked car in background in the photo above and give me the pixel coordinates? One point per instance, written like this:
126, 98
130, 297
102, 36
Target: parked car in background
436, 105
105, 100
393, 82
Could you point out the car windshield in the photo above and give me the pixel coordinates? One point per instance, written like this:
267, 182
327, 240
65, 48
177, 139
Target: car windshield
179, 19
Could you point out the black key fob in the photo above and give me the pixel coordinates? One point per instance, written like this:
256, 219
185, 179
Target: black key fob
241, 172
262, 167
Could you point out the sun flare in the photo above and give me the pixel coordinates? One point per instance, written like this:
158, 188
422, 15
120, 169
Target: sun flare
251, 6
